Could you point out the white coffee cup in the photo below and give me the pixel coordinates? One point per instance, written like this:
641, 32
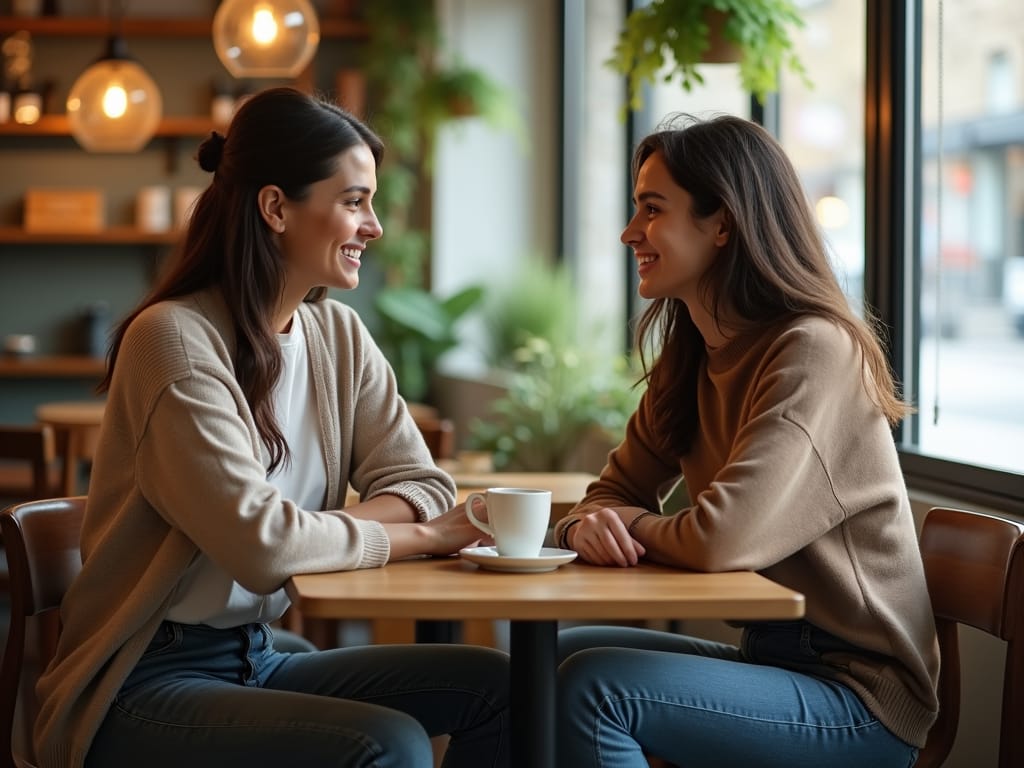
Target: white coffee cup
518, 519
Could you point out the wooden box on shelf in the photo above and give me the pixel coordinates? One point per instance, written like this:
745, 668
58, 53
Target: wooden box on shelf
64, 210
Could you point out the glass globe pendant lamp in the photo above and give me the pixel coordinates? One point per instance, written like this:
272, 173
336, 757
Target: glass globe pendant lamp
114, 106
265, 38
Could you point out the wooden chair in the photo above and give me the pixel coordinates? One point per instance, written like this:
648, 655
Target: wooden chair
27, 455
43, 556
974, 564
27, 465
439, 435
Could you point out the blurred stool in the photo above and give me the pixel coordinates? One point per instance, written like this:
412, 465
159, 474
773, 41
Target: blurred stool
80, 420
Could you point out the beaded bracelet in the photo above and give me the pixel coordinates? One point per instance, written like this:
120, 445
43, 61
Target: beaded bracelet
635, 520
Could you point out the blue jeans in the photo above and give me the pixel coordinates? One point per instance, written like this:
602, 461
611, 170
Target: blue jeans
626, 692
224, 697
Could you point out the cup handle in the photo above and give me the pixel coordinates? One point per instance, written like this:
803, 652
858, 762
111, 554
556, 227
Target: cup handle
473, 518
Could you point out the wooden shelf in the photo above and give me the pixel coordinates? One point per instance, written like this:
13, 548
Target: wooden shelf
57, 125
51, 366
110, 236
100, 26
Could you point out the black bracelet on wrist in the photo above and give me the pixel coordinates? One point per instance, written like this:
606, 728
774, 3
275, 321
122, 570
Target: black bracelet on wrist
563, 537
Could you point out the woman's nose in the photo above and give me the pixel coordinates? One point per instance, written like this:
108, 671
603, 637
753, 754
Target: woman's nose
371, 228
630, 235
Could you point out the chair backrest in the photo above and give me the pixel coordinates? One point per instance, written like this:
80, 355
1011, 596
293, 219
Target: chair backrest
27, 459
974, 564
33, 446
42, 540
439, 435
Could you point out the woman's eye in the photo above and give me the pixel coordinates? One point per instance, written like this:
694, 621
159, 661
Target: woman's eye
650, 209
354, 202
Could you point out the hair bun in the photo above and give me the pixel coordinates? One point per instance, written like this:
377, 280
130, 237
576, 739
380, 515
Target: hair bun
210, 151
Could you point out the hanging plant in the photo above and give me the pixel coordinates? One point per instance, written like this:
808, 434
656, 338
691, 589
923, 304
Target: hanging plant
682, 34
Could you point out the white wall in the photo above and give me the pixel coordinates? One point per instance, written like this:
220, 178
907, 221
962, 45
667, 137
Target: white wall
495, 195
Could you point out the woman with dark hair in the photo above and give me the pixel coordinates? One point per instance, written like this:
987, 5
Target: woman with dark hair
241, 404
775, 403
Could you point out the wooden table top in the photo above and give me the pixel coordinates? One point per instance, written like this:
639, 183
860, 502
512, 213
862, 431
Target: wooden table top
78, 413
451, 588
52, 366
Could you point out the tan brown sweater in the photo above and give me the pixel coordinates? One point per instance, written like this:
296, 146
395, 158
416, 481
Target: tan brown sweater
794, 474
179, 469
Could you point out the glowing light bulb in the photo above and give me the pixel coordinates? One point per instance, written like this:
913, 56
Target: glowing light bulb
265, 38
264, 27
115, 101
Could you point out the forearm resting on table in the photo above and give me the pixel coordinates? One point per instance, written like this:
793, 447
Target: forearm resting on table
407, 535
385, 508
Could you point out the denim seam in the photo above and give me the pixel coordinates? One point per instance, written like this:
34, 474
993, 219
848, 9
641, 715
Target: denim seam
354, 735
725, 713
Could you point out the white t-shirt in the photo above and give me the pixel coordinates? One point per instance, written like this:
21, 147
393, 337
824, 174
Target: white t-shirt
207, 594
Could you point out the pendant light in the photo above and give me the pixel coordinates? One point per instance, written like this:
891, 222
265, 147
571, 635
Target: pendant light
114, 105
265, 38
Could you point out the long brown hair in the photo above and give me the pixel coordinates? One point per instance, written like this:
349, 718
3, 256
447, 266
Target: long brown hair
283, 137
773, 266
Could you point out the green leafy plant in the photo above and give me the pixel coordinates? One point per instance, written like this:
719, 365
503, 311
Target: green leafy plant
417, 328
557, 397
679, 32
539, 301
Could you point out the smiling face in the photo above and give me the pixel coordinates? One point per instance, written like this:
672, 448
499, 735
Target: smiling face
322, 237
673, 250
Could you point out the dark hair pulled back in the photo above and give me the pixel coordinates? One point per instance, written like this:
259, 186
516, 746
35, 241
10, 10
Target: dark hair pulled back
279, 136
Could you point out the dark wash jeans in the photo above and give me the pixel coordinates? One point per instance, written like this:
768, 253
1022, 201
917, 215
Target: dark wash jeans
224, 697
625, 692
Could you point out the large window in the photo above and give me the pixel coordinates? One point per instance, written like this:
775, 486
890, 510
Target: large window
970, 307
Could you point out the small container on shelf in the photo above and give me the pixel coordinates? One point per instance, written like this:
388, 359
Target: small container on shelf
96, 329
27, 106
19, 344
153, 208
222, 103
64, 210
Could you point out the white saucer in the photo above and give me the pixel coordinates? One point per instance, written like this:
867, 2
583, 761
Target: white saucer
549, 559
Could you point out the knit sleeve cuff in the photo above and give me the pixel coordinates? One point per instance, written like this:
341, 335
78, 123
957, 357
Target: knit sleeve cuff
376, 544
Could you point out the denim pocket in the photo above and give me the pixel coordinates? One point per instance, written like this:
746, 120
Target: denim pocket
794, 645
168, 637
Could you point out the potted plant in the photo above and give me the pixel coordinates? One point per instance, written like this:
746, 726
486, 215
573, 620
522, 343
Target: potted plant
559, 400
682, 33
417, 328
538, 301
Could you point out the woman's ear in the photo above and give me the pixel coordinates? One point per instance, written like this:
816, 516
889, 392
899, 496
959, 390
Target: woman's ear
270, 200
724, 229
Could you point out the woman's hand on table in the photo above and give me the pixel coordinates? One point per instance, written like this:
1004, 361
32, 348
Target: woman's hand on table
454, 530
601, 537
445, 534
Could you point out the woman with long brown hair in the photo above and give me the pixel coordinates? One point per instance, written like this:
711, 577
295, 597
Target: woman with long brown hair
774, 402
